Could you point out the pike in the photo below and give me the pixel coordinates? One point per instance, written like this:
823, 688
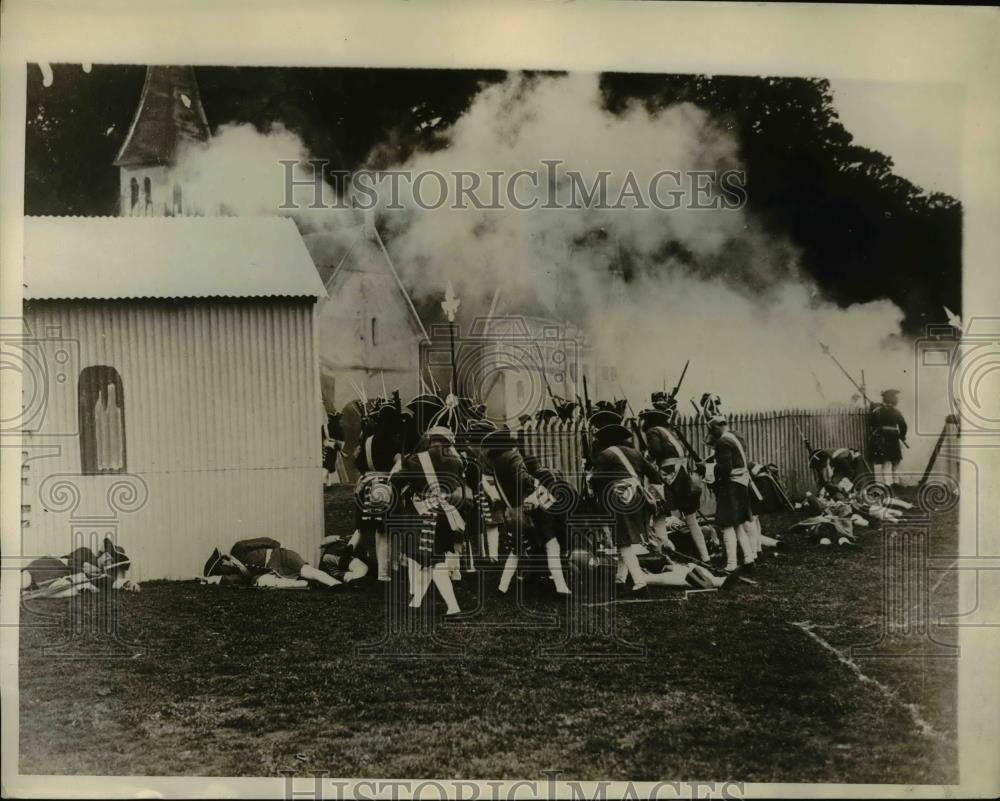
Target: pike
450, 306
859, 387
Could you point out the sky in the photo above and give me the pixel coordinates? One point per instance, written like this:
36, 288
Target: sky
918, 125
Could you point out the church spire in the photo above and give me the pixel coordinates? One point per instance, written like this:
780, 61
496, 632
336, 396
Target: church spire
169, 114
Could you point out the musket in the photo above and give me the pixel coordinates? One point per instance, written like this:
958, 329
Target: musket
677, 388
805, 439
636, 428
687, 445
585, 428
545, 376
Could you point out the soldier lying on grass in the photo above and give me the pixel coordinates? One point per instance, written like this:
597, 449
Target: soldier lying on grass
79, 571
262, 562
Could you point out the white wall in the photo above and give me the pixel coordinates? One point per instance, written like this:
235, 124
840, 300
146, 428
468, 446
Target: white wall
222, 428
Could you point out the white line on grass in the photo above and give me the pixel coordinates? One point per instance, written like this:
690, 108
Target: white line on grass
922, 725
944, 575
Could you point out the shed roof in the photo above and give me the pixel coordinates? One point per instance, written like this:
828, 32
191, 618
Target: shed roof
166, 257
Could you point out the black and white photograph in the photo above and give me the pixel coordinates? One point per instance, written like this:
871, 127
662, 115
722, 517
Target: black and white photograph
422, 426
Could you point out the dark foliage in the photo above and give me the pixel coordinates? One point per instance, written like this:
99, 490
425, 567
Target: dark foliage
863, 232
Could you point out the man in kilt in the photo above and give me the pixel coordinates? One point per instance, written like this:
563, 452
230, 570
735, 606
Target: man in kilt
888, 433
431, 493
618, 484
681, 490
729, 476
520, 501
379, 451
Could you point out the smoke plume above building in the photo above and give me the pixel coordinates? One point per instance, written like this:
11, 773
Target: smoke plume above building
651, 287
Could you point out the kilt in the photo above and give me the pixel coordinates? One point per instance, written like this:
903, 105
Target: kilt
631, 512
732, 504
886, 447
427, 539
683, 494
285, 563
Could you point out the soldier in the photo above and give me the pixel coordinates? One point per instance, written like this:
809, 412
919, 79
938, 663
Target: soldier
333, 443
729, 477
681, 490
81, 570
431, 486
486, 517
617, 482
521, 500
377, 454
422, 410
263, 562
888, 431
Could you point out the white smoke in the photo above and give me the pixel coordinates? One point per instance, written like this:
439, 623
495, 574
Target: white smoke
707, 285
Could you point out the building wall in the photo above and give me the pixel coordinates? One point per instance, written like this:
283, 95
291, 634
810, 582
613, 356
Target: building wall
163, 202
348, 350
222, 428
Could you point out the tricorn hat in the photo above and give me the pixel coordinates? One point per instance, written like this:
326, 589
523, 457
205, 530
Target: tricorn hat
890, 395
476, 430
654, 417
501, 439
545, 415
213, 565
604, 417
613, 434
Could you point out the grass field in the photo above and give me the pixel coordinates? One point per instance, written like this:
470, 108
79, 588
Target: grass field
754, 684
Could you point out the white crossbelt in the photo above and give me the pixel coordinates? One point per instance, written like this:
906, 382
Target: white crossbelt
741, 475
433, 499
633, 479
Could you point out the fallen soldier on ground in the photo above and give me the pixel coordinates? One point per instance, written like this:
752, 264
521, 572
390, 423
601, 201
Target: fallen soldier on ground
80, 571
263, 563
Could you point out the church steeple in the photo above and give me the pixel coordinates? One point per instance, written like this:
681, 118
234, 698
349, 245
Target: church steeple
169, 115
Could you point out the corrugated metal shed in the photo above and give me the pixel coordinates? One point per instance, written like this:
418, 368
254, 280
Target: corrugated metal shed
220, 395
166, 257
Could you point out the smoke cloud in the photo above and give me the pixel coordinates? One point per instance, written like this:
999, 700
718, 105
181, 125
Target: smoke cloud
651, 287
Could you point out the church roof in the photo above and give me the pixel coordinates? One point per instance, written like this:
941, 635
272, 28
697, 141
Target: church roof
166, 257
169, 113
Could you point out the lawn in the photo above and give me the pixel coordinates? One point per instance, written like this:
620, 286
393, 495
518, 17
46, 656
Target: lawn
754, 684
